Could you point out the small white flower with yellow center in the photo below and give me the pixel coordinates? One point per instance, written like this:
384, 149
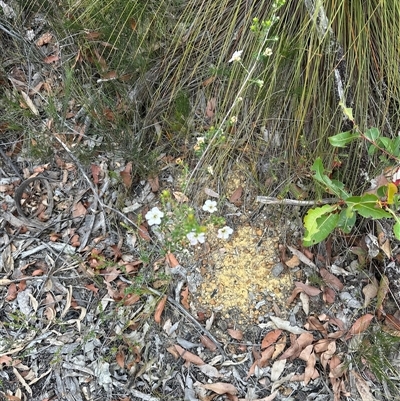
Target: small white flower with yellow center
267, 52
210, 206
196, 238
233, 120
236, 56
225, 232
154, 216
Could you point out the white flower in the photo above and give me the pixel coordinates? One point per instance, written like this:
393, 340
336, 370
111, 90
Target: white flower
224, 232
154, 216
210, 206
267, 52
236, 56
210, 170
200, 140
259, 83
195, 238
233, 120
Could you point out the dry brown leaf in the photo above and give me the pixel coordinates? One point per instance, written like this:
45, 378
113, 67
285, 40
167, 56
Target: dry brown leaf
314, 324
331, 279
180, 196
211, 192
78, 210
310, 363
51, 59
322, 345
303, 258
382, 292
221, 388
29, 103
277, 369
143, 233
210, 109
328, 354
270, 338
296, 291
370, 291
329, 295
360, 325
236, 195
171, 260
305, 339
173, 351
392, 322
155, 186
208, 343
305, 302
126, 175
294, 261
92, 287
362, 387
185, 298
130, 299
236, 334
188, 356
279, 347
95, 170
159, 309
308, 289
120, 358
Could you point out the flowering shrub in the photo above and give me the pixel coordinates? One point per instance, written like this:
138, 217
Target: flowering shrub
178, 226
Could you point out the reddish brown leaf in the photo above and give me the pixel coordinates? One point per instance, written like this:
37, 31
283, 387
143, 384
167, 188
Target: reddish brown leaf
331, 279
184, 298
221, 388
171, 260
236, 334
237, 194
131, 299
270, 338
95, 173
329, 295
308, 289
126, 175
143, 233
78, 210
188, 356
155, 186
382, 292
159, 309
120, 358
208, 343
296, 291
360, 325
92, 287
51, 59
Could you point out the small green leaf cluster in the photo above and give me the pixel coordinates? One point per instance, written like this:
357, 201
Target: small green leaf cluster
380, 203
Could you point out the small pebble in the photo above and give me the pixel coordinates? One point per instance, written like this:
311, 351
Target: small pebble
277, 269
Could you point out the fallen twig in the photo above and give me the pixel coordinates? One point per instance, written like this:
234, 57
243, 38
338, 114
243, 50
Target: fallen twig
273, 201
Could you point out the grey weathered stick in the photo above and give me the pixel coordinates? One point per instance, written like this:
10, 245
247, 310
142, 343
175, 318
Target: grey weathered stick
275, 201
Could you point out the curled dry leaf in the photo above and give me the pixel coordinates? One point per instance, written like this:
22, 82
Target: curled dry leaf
302, 257
171, 260
305, 302
153, 181
237, 194
331, 279
296, 291
285, 325
308, 289
185, 298
329, 295
362, 387
270, 338
211, 193
236, 334
159, 309
221, 388
143, 233
208, 343
294, 261
360, 325
210, 371
188, 356
382, 292
370, 291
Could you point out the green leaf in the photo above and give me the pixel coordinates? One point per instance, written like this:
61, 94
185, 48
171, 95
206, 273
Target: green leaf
334, 186
372, 134
347, 111
367, 206
325, 225
313, 224
347, 219
343, 139
396, 230
386, 143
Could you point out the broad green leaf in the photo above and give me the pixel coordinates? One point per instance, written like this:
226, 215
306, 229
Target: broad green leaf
396, 230
347, 219
372, 150
325, 225
343, 139
372, 134
367, 206
333, 186
386, 143
311, 223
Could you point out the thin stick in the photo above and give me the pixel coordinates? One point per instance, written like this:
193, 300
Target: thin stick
275, 201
